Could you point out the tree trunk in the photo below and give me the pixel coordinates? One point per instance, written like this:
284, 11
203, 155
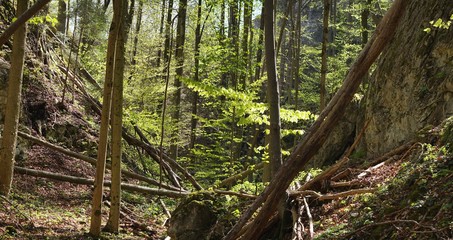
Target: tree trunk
12, 110
95, 227
179, 56
273, 92
194, 120
297, 55
117, 118
259, 52
245, 42
364, 21
168, 37
138, 23
320, 130
61, 17
325, 35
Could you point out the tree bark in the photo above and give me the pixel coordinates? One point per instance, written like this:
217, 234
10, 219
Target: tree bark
318, 133
179, 56
297, 55
325, 35
12, 110
95, 227
117, 118
168, 37
273, 92
194, 119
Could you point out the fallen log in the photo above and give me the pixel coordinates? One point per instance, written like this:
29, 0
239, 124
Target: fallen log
396, 151
93, 161
87, 181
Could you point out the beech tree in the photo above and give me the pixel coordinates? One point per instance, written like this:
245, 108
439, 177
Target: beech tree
13, 104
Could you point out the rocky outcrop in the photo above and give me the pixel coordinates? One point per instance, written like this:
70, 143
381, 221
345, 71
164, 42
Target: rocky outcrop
412, 85
193, 219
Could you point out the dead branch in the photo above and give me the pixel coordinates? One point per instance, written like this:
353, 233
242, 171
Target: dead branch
231, 180
93, 161
243, 195
326, 174
341, 175
331, 196
310, 218
334, 168
355, 182
87, 181
396, 151
165, 208
154, 153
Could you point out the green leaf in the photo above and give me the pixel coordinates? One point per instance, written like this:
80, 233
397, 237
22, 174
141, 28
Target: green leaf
438, 23
427, 30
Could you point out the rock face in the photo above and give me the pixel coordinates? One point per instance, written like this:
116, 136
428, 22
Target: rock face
193, 218
413, 84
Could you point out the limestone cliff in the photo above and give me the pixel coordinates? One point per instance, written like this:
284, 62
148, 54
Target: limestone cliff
412, 86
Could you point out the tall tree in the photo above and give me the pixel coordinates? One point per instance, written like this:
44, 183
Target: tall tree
297, 55
248, 6
179, 56
117, 118
168, 36
325, 35
96, 214
193, 122
273, 92
138, 24
12, 110
161, 27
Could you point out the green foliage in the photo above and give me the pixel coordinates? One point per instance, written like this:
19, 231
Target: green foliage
439, 24
43, 19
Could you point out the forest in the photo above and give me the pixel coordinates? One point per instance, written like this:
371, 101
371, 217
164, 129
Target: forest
226, 119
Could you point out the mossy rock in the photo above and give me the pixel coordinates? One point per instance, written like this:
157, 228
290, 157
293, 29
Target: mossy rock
194, 218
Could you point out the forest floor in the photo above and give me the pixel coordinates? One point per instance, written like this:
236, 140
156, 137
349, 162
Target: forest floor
413, 201
44, 209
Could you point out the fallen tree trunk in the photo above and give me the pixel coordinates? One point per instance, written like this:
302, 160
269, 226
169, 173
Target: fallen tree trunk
87, 181
320, 130
93, 161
